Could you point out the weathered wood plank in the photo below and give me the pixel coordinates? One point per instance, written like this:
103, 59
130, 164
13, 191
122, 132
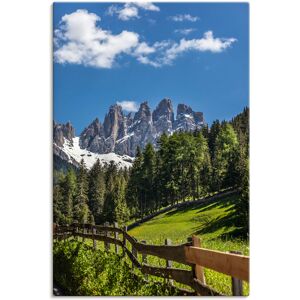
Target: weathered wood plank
132, 258
236, 284
130, 238
106, 244
94, 232
199, 271
231, 264
100, 237
179, 275
108, 228
168, 242
116, 237
174, 253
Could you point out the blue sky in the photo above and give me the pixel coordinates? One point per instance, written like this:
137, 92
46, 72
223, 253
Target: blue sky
193, 53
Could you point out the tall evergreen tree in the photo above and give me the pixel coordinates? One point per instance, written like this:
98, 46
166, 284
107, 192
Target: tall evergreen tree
225, 157
133, 193
96, 192
58, 216
121, 209
81, 212
148, 192
69, 186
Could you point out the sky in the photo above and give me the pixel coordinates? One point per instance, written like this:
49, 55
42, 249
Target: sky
107, 53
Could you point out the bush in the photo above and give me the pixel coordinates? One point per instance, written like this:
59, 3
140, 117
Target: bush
82, 271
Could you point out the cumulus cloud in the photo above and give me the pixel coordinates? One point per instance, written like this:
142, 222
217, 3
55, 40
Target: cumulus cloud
185, 31
130, 10
206, 43
185, 17
168, 51
129, 106
80, 41
127, 12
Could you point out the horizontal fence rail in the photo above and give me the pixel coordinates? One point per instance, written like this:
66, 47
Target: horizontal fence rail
232, 264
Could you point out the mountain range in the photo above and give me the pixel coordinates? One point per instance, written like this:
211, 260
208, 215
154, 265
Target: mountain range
119, 135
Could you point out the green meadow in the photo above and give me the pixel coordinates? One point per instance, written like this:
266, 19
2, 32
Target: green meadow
212, 222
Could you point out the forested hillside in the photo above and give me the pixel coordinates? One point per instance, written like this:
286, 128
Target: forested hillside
186, 166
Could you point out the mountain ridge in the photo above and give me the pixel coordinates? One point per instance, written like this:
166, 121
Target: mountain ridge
122, 133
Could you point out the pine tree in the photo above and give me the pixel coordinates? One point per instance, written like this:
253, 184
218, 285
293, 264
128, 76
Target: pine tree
148, 193
213, 133
121, 209
225, 157
81, 212
69, 193
109, 202
57, 204
133, 192
96, 193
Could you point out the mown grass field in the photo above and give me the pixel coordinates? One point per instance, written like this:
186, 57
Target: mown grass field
212, 222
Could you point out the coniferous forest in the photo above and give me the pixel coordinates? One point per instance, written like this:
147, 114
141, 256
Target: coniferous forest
184, 166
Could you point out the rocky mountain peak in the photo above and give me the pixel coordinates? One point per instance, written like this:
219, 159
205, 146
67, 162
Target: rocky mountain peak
62, 131
184, 109
121, 133
163, 117
113, 121
164, 108
95, 129
144, 113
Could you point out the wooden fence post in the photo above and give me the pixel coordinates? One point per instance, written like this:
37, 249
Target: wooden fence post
124, 240
198, 270
106, 244
77, 231
116, 237
84, 232
168, 242
236, 284
134, 253
63, 235
144, 259
94, 241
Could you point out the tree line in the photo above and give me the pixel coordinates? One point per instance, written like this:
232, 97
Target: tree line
184, 166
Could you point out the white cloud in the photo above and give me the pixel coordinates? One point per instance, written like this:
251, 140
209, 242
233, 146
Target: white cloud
128, 106
147, 6
130, 10
80, 41
171, 51
185, 17
185, 31
206, 43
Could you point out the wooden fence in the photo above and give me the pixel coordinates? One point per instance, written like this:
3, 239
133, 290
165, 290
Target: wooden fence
189, 253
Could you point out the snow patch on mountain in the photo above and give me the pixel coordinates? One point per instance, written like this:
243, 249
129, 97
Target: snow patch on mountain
75, 152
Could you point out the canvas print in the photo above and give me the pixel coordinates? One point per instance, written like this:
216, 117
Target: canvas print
150, 149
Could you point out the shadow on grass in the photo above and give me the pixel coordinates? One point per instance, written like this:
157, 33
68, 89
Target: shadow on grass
207, 205
232, 219
209, 224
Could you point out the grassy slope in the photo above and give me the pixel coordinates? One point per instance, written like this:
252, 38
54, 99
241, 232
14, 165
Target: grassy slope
212, 222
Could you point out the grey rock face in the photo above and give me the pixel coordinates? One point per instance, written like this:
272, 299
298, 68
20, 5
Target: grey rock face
187, 119
163, 117
61, 131
121, 133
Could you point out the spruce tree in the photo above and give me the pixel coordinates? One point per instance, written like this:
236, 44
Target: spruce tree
225, 162
96, 193
148, 178
58, 217
69, 186
133, 192
81, 212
